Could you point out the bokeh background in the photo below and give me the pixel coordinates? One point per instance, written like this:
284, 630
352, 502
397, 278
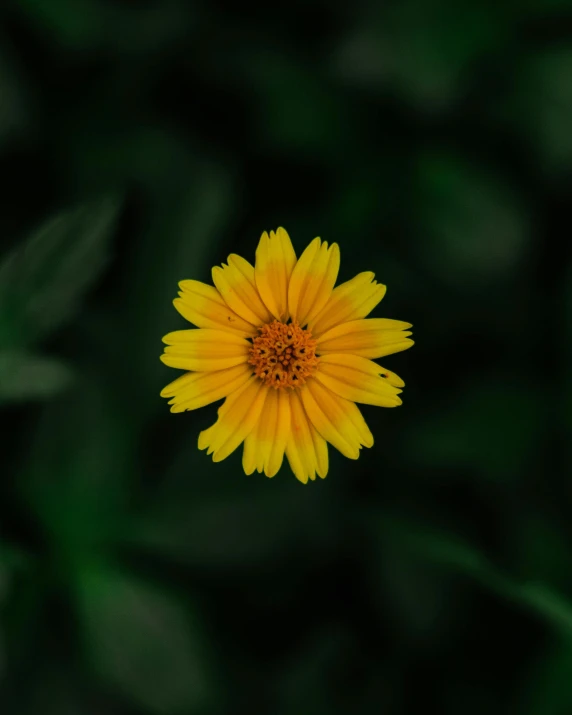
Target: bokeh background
140, 144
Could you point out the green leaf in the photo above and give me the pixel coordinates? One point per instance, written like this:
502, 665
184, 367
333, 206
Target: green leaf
456, 555
541, 105
478, 228
75, 23
12, 98
24, 376
55, 687
43, 282
299, 112
400, 575
204, 516
12, 561
182, 241
437, 546
143, 643
78, 471
548, 604
547, 689
5, 579
497, 443
304, 685
423, 50
542, 548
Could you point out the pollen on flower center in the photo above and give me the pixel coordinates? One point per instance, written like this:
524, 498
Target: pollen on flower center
283, 355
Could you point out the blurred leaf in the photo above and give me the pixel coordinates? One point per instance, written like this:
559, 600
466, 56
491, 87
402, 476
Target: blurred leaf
299, 110
434, 46
24, 376
358, 207
75, 23
548, 688
472, 696
147, 154
306, 683
79, 469
183, 240
43, 281
5, 578
493, 428
440, 547
547, 603
3, 659
51, 689
425, 604
453, 553
541, 105
12, 559
224, 531
127, 28
478, 229
423, 50
543, 548
142, 642
543, 8
363, 57
145, 28
12, 99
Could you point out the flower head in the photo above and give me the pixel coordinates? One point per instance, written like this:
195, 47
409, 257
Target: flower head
289, 353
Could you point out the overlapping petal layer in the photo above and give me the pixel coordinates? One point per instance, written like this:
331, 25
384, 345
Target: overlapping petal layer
197, 389
275, 261
338, 420
204, 349
237, 417
236, 284
351, 300
203, 306
313, 280
306, 449
369, 338
357, 379
264, 446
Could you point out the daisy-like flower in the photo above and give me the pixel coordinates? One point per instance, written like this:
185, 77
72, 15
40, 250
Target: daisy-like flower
290, 354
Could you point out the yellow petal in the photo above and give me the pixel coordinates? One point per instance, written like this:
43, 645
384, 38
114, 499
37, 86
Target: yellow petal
307, 450
321, 450
235, 283
356, 418
370, 338
203, 306
197, 389
264, 446
249, 453
178, 385
391, 377
236, 422
261, 435
275, 260
356, 379
204, 350
349, 301
333, 417
313, 280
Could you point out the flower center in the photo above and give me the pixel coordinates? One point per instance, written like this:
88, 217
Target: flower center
283, 355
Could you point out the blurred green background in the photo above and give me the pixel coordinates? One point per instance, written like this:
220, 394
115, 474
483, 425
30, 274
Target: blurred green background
140, 143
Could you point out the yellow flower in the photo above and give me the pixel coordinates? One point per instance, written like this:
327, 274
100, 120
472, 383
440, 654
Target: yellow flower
290, 353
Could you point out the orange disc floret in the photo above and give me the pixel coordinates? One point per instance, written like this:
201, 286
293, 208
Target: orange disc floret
283, 355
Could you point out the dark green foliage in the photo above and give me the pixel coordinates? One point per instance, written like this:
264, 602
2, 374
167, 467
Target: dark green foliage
140, 144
